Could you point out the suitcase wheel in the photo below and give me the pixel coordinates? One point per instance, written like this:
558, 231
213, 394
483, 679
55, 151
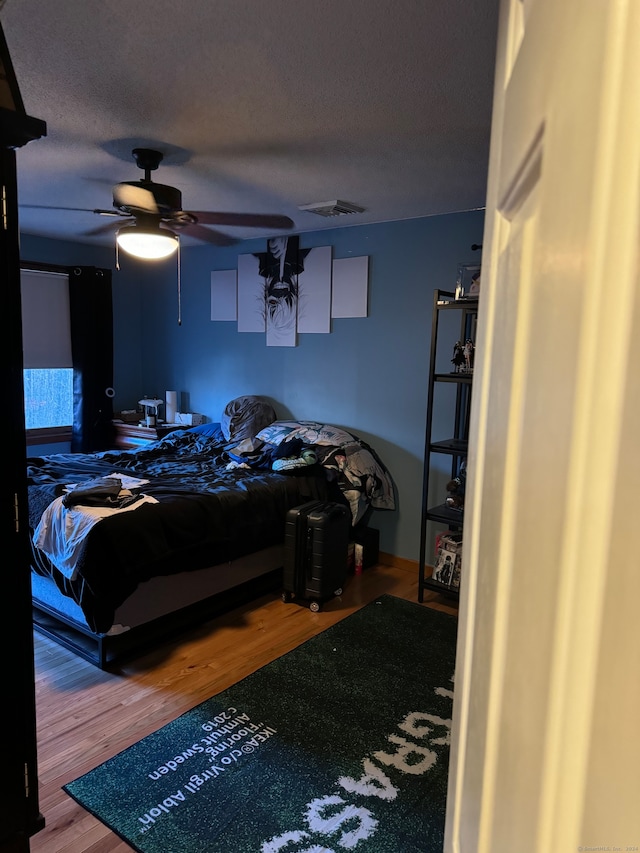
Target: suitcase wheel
314, 606
287, 597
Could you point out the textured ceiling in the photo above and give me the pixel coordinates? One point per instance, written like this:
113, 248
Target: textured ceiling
257, 105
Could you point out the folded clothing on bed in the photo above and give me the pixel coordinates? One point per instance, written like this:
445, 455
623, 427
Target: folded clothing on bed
293, 454
65, 524
101, 491
255, 453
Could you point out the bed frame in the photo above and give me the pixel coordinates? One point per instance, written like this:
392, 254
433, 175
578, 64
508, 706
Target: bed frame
158, 609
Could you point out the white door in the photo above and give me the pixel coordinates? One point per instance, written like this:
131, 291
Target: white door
546, 734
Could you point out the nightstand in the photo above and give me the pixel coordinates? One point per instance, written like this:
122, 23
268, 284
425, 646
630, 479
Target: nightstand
128, 436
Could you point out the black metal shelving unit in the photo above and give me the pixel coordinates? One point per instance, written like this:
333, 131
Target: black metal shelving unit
455, 446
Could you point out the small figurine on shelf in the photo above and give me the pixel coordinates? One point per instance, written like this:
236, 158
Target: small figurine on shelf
474, 290
458, 357
456, 489
468, 353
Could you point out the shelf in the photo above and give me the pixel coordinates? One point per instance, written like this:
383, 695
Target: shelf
443, 589
453, 446
446, 515
454, 406
464, 378
447, 304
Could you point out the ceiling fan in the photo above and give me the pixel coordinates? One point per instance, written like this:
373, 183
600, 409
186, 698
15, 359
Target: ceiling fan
150, 213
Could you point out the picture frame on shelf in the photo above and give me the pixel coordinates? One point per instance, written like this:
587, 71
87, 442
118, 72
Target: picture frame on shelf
446, 569
468, 281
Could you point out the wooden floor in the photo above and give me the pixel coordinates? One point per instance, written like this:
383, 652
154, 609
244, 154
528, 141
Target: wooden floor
85, 715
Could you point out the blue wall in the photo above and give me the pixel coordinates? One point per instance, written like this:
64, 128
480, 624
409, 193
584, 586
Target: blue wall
369, 375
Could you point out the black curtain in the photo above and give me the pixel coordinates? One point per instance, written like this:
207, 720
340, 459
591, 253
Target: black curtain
91, 315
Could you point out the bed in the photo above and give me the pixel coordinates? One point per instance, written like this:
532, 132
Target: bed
129, 545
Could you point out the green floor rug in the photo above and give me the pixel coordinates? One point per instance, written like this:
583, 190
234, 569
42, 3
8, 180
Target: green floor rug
341, 744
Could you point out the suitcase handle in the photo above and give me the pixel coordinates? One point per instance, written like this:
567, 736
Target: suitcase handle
309, 553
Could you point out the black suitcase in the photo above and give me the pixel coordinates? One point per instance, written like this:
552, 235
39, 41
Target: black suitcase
316, 551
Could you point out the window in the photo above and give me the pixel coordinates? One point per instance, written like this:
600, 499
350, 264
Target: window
48, 397
48, 371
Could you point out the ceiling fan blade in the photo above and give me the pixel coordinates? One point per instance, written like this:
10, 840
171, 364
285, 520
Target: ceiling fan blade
134, 197
108, 227
50, 207
248, 220
207, 235
76, 209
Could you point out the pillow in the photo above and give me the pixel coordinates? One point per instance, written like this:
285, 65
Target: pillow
310, 432
322, 434
277, 431
245, 416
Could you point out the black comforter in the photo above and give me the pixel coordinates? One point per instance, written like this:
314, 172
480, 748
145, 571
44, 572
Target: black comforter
208, 512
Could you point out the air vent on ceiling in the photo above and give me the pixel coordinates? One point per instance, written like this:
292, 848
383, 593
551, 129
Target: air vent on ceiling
331, 208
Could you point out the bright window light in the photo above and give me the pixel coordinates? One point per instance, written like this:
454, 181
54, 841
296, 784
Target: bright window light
48, 397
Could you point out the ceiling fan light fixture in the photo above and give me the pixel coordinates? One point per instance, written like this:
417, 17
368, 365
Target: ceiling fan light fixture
150, 243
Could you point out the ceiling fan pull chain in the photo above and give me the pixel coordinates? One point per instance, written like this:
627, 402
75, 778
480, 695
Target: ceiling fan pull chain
179, 285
